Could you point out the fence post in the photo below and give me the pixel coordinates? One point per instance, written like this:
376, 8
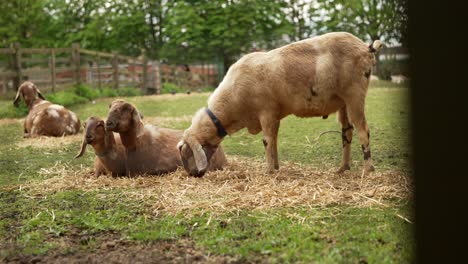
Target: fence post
159, 79
17, 65
52, 69
98, 62
76, 61
115, 68
133, 64
145, 72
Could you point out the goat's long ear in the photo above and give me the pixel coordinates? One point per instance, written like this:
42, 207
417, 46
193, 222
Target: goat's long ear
39, 92
17, 97
83, 146
198, 153
139, 127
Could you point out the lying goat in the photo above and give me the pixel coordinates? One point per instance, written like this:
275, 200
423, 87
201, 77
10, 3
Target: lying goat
150, 149
45, 118
313, 77
110, 153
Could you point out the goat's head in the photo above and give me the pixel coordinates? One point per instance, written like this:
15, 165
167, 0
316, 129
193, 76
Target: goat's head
94, 132
29, 92
123, 117
198, 145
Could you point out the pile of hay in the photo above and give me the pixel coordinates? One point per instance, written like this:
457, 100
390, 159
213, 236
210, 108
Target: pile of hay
241, 185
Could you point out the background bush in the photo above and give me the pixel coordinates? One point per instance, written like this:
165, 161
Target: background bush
172, 88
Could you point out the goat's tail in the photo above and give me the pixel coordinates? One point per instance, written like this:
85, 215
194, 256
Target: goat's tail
375, 46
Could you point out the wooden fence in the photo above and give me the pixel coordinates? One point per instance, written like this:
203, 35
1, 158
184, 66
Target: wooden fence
54, 68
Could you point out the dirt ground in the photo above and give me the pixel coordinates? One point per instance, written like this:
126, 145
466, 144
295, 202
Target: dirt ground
110, 249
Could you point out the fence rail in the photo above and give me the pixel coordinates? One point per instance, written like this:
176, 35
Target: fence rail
54, 68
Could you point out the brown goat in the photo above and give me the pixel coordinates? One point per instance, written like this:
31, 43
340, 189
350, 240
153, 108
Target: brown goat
313, 77
150, 149
109, 150
45, 118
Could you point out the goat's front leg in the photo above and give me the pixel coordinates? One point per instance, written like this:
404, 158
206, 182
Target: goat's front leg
270, 127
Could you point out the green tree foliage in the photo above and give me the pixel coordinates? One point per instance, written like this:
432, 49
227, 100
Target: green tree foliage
188, 30
368, 19
23, 21
224, 28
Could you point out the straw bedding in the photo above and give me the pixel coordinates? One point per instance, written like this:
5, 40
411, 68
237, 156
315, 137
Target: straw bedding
241, 185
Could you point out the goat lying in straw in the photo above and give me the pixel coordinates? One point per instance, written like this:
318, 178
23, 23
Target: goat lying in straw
110, 153
150, 149
45, 118
313, 77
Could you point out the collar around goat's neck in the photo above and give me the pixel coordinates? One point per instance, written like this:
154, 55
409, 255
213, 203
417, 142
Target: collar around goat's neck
219, 127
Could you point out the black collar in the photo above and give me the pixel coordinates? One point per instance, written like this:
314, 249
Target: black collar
221, 131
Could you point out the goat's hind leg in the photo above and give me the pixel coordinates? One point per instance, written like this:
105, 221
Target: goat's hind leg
346, 137
358, 119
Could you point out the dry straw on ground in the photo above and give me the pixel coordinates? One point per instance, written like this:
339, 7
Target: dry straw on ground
241, 185
165, 121
10, 121
49, 142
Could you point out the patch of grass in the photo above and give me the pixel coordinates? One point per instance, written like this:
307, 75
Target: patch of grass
19, 165
168, 106
329, 235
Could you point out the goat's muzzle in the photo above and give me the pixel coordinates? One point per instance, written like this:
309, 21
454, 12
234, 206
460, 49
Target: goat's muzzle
111, 125
89, 138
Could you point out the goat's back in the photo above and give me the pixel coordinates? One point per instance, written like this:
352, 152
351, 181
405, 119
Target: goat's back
156, 151
50, 119
306, 78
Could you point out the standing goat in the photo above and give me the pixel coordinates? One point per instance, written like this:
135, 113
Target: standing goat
150, 149
110, 153
45, 118
312, 77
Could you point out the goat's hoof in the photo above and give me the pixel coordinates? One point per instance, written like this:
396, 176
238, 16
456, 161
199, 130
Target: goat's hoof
368, 170
343, 169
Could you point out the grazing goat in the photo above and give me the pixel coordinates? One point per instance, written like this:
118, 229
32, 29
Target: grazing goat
313, 77
45, 118
150, 149
110, 153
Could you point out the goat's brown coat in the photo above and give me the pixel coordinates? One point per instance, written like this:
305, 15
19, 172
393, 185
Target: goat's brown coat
313, 77
109, 150
45, 118
150, 149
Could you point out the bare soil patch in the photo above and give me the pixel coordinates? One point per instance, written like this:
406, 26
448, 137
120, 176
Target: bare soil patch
107, 248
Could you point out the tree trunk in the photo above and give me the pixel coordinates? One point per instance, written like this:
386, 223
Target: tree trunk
227, 62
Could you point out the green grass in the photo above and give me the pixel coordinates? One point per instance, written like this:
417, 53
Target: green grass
36, 225
329, 234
